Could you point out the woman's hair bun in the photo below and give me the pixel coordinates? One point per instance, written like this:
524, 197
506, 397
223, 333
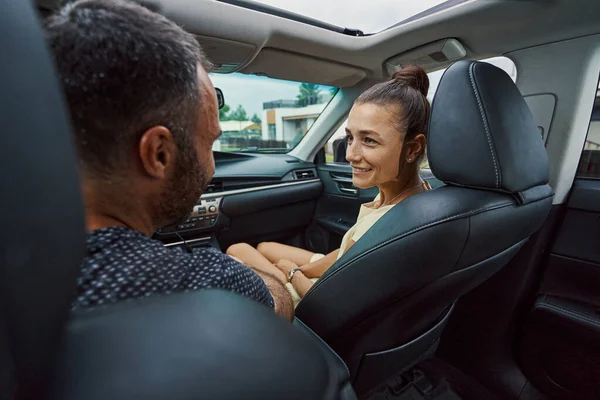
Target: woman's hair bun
413, 76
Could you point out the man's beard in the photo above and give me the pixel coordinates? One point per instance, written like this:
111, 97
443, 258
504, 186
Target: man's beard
182, 192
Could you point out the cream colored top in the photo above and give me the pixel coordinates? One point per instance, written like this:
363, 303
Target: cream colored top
367, 217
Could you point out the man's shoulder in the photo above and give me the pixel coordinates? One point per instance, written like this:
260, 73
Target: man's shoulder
135, 265
115, 236
206, 256
230, 274
213, 261
113, 242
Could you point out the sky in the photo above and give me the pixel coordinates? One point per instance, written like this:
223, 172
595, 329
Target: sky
369, 16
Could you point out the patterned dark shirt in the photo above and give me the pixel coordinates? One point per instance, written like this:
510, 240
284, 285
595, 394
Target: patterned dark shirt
124, 264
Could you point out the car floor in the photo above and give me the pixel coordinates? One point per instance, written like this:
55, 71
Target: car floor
433, 379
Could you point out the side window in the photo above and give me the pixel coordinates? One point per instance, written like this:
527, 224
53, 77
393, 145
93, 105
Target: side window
333, 151
589, 164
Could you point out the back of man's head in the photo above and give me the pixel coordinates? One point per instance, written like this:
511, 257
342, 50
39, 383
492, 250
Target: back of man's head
124, 69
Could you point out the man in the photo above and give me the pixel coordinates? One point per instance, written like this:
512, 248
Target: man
145, 115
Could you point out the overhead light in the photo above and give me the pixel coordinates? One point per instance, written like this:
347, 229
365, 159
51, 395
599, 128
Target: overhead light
430, 56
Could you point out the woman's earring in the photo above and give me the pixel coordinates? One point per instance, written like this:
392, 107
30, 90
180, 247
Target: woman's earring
409, 160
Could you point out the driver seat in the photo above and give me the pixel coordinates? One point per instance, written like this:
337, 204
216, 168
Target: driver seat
205, 344
384, 304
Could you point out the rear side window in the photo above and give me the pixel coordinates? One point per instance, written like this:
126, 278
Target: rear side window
589, 164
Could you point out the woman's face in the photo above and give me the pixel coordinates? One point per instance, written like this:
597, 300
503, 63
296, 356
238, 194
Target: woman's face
374, 145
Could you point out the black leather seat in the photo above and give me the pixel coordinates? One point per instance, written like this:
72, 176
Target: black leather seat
208, 344
384, 304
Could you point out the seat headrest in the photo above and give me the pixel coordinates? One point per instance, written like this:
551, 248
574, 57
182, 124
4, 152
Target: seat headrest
482, 134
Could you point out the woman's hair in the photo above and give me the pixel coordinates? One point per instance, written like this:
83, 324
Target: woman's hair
407, 90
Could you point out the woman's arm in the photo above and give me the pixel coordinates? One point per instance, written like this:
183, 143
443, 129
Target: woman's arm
317, 268
301, 283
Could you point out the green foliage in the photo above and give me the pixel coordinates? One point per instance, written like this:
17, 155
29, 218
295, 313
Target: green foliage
239, 114
223, 113
308, 94
256, 119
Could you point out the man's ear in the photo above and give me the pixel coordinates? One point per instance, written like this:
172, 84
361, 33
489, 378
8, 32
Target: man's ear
157, 151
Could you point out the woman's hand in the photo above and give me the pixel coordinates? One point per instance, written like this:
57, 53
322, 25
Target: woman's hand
286, 266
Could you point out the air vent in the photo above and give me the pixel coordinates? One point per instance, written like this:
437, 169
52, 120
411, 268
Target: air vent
304, 174
214, 186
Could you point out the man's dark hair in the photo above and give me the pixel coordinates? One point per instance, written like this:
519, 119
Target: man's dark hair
124, 69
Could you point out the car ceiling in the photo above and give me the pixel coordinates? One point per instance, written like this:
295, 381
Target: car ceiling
253, 42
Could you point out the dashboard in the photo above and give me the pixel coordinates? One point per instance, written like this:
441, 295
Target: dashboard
242, 184
263, 197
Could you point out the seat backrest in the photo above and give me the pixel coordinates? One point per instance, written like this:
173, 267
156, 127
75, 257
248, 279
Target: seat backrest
41, 243
209, 344
403, 275
205, 344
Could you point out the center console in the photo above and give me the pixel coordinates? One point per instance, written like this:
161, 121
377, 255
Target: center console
204, 215
196, 229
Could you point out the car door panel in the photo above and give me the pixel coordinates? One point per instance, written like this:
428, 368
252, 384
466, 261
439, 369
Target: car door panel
559, 345
580, 233
337, 208
337, 180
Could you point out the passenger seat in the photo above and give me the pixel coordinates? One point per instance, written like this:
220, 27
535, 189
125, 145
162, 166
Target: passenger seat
384, 304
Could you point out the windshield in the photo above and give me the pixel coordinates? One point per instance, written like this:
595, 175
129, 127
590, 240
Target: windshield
267, 115
368, 16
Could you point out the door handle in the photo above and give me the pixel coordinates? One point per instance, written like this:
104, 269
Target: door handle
341, 179
344, 183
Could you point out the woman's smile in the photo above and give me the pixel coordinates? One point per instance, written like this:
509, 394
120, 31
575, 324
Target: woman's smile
358, 171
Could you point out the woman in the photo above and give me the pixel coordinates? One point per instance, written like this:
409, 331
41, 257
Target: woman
386, 134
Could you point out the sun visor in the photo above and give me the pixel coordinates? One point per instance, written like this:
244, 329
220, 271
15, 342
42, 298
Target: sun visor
301, 68
226, 55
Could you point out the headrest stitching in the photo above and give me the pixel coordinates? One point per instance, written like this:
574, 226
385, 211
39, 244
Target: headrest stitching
485, 124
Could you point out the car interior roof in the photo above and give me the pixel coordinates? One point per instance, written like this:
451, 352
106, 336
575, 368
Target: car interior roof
249, 41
